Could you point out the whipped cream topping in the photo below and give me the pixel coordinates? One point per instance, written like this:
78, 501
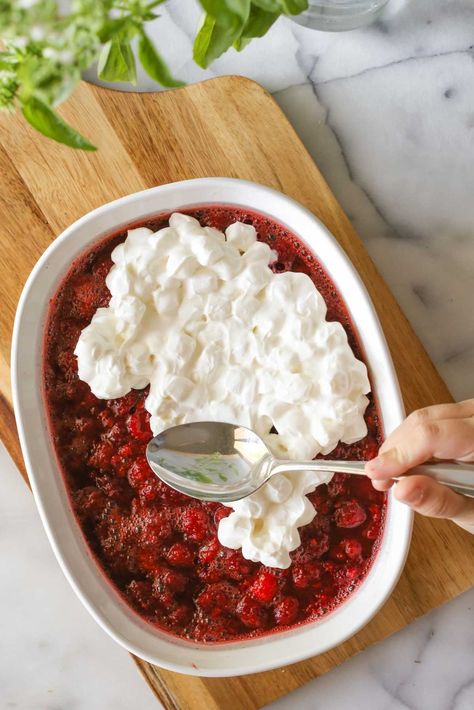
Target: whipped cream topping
265, 524
200, 317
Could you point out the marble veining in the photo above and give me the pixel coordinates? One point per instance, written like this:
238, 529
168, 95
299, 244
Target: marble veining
387, 112
427, 665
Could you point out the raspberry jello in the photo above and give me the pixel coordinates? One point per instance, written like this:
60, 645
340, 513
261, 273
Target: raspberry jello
159, 548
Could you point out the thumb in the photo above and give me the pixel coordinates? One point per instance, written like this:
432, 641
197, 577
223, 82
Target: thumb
429, 498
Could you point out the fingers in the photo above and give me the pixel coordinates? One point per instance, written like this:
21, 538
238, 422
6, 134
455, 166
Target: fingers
452, 410
445, 431
458, 410
429, 498
441, 439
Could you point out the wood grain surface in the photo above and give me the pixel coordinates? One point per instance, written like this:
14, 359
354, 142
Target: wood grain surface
227, 127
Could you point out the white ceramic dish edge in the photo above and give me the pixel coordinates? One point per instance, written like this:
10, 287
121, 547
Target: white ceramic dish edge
69, 546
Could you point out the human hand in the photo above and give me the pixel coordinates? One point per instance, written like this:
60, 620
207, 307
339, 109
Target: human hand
444, 431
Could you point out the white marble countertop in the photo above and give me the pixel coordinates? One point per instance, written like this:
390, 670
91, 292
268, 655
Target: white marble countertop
387, 112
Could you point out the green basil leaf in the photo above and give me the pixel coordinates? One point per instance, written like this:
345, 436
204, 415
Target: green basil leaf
129, 58
294, 7
111, 28
148, 16
227, 13
116, 62
212, 40
154, 65
241, 42
268, 5
47, 122
154, 3
259, 22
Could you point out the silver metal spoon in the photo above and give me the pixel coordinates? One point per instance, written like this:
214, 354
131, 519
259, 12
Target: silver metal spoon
224, 462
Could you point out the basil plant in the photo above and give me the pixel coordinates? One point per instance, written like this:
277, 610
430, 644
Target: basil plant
44, 48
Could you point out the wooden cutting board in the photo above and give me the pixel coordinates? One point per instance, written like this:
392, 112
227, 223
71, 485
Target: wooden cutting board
227, 127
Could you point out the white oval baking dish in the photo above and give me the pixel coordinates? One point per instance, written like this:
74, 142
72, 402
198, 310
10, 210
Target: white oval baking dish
64, 534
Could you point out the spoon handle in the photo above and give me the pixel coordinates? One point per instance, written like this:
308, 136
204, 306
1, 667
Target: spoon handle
458, 476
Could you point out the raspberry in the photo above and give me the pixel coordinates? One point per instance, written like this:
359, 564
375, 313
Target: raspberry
169, 579
138, 425
371, 531
321, 500
125, 451
141, 595
286, 611
320, 605
330, 567
212, 572
181, 616
139, 472
194, 523
352, 548
221, 629
67, 392
338, 484
114, 435
167, 599
208, 552
70, 331
148, 493
147, 560
375, 512
180, 554
89, 501
251, 613
120, 467
79, 445
85, 294
86, 404
111, 534
216, 599
370, 449
320, 524
101, 456
67, 363
235, 566
168, 495
338, 552
102, 268
222, 512
350, 514
313, 548
353, 572
85, 425
115, 488
318, 546
305, 575
122, 406
150, 526
106, 418
264, 587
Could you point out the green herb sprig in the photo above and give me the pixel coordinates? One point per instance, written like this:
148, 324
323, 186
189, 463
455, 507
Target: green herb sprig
43, 51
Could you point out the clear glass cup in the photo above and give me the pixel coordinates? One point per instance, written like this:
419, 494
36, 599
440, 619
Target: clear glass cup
337, 15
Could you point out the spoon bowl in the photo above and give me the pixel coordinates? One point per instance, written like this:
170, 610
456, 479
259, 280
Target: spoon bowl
212, 461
